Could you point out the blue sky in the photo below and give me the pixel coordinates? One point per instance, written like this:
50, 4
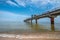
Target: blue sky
21, 9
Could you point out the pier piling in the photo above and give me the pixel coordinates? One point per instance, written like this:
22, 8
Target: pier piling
52, 23
36, 21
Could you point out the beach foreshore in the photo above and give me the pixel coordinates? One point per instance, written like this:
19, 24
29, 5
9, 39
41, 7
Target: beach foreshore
31, 36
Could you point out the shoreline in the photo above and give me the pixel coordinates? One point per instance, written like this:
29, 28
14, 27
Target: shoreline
32, 36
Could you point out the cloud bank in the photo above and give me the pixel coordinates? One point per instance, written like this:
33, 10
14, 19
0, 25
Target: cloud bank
11, 3
37, 3
9, 16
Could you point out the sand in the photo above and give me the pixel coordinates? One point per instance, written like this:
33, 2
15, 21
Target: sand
31, 36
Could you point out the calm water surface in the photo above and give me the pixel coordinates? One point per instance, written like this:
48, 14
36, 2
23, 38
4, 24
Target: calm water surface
22, 26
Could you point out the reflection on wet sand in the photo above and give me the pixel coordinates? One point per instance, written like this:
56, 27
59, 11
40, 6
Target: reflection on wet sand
35, 27
38, 27
52, 27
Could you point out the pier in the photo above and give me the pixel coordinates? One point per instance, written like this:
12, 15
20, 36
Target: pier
49, 14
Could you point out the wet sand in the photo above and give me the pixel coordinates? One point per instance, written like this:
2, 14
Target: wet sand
31, 36
1, 38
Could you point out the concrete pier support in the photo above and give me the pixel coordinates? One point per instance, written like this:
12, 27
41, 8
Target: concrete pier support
35, 18
31, 19
36, 21
52, 20
52, 23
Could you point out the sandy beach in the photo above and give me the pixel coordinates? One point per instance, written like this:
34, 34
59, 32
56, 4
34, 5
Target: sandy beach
1, 38
31, 36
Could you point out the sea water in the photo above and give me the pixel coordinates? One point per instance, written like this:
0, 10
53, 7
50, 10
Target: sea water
27, 26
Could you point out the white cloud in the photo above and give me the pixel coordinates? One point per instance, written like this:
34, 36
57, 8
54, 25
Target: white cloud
55, 3
8, 16
20, 2
37, 3
57, 19
11, 3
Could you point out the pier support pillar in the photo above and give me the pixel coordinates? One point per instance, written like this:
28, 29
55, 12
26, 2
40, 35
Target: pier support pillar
35, 18
31, 21
52, 20
52, 23
36, 21
32, 18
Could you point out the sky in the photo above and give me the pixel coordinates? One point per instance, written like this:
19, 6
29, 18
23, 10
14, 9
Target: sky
17, 10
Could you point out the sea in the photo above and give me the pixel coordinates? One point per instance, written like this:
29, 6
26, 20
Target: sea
13, 26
